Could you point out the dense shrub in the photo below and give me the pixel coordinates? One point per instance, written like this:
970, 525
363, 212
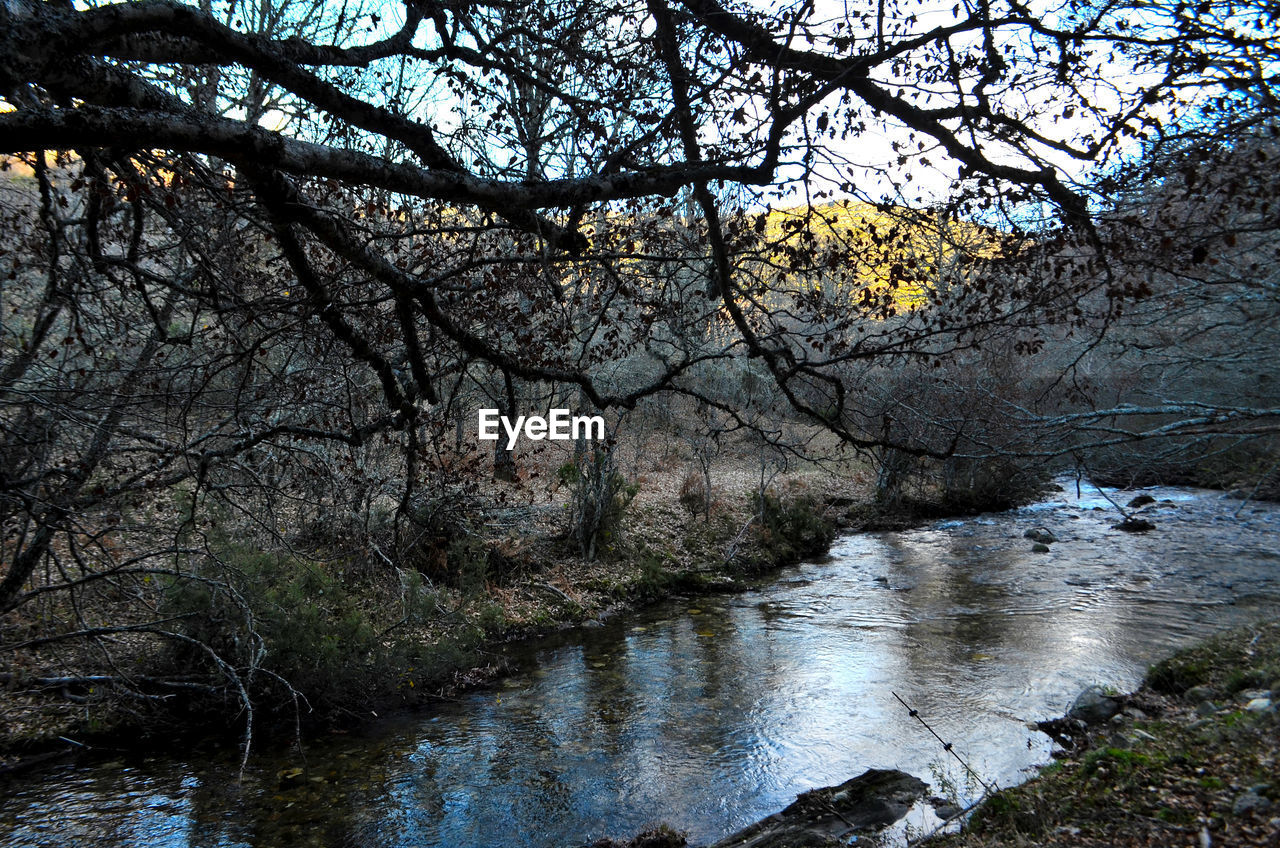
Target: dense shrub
990, 483
788, 530
280, 621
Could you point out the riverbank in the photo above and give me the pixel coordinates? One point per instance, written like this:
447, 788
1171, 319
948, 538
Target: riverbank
1191, 758
357, 658
359, 642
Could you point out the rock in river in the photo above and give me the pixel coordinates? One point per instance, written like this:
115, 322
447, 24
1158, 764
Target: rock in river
1134, 525
1041, 535
868, 802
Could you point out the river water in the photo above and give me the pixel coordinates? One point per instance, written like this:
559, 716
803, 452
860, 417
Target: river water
714, 712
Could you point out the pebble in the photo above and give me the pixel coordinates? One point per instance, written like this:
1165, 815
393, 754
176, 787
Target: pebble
1258, 705
1206, 708
1247, 801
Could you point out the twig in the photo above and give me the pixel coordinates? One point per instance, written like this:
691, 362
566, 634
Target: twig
553, 590
732, 550
1081, 464
946, 746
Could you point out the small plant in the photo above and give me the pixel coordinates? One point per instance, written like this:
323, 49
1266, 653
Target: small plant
694, 495
997, 807
601, 496
1119, 761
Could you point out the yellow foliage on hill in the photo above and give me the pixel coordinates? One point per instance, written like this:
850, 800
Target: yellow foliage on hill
887, 259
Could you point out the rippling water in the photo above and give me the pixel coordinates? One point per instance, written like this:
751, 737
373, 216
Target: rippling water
712, 713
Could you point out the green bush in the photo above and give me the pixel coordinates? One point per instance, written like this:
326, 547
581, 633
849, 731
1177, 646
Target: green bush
1177, 674
277, 618
653, 578
788, 530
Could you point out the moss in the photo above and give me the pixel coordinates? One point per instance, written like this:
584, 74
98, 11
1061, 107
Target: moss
1229, 663
1119, 760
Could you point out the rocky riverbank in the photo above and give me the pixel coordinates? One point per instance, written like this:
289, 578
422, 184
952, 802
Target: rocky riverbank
832, 815
1191, 758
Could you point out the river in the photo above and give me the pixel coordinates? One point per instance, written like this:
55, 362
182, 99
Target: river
711, 713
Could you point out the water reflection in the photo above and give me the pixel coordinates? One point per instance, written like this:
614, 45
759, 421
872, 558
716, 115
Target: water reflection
714, 713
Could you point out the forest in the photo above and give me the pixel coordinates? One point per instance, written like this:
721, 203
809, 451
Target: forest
817, 267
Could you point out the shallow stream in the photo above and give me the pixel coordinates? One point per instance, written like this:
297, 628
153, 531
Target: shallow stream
712, 713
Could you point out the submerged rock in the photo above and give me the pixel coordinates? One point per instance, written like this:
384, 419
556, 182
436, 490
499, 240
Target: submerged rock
945, 809
1134, 525
1141, 500
868, 802
1041, 535
661, 836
